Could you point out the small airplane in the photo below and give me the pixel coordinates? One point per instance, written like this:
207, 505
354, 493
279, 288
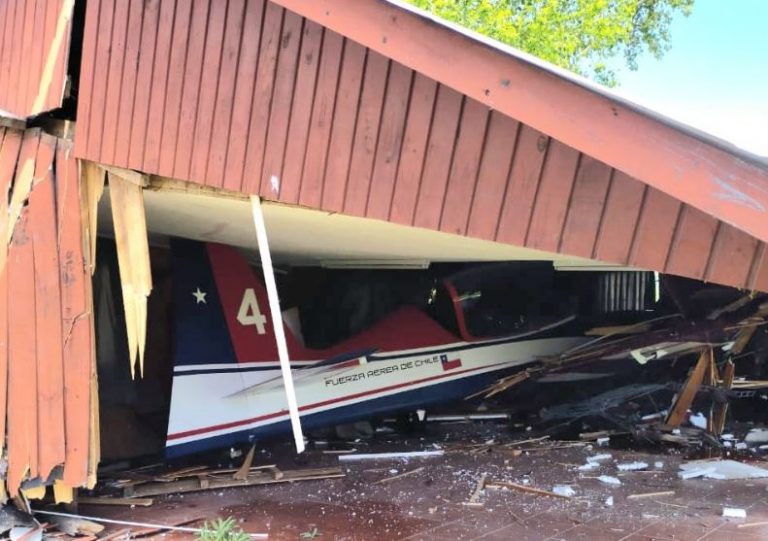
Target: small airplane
227, 388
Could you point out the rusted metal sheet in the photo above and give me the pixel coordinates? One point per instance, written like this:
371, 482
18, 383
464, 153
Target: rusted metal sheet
46, 327
299, 113
34, 50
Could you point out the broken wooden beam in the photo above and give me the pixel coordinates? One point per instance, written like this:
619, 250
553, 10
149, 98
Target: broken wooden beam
204, 482
690, 389
140, 502
524, 488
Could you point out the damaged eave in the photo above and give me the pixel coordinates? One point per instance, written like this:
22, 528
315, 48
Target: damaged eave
645, 145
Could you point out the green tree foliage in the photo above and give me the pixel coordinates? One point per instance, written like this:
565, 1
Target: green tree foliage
579, 35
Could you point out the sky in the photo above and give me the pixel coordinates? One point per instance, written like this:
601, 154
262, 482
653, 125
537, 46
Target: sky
715, 76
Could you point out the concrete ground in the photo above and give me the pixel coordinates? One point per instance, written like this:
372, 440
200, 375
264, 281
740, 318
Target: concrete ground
431, 503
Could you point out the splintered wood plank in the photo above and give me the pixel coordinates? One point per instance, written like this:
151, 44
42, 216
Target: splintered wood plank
552, 197
721, 409
691, 244
280, 110
523, 183
417, 128
492, 177
128, 92
192, 81
465, 167
655, 229
76, 315
242, 101
622, 208
366, 133
221, 131
687, 394
177, 64
586, 208
437, 163
262, 97
25, 172
731, 258
334, 183
301, 112
22, 359
50, 357
92, 178
53, 79
9, 154
322, 120
390, 141
129, 220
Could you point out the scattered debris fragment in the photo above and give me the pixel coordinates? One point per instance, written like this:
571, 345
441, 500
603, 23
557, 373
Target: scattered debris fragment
721, 469
632, 466
563, 490
523, 488
399, 476
474, 499
733, 512
609, 480
387, 456
645, 495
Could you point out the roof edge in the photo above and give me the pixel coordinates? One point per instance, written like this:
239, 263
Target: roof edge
692, 166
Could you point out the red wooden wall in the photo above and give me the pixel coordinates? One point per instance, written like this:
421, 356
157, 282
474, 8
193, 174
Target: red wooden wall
46, 326
34, 49
245, 95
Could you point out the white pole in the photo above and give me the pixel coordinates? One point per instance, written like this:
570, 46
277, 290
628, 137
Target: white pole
277, 320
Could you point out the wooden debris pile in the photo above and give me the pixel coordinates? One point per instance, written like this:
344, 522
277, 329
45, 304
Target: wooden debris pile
134, 487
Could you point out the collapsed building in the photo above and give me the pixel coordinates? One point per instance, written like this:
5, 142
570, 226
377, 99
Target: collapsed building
386, 151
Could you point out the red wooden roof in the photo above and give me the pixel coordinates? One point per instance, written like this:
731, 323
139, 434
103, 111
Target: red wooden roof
34, 49
367, 108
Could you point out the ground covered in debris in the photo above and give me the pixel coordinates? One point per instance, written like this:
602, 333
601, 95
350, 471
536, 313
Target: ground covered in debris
482, 486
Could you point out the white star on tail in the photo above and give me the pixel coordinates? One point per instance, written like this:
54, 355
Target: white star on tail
199, 296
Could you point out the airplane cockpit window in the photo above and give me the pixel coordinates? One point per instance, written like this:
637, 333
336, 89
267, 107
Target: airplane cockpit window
505, 299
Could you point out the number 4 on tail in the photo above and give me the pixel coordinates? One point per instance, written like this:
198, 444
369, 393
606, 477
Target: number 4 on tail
249, 313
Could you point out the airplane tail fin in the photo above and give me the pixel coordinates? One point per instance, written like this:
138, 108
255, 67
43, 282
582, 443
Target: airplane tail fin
221, 307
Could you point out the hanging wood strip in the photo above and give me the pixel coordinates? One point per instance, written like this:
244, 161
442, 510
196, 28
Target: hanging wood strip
50, 357
92, 180
76, 314
129, 222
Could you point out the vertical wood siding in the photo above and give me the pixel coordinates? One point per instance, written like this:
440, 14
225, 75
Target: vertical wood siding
46, 327
34, 49
252, 97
